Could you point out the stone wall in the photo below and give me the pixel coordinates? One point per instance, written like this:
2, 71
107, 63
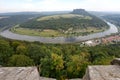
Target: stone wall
104, 72
96, 72
116, 61
19, 73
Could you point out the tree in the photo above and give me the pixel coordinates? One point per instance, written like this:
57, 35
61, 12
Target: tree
5, 52
57, 62
104, 61
20, 60
36, 52
21, 49
76, 64
51, 64
15, 44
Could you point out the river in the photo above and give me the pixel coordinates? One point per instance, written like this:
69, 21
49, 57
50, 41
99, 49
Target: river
9, 34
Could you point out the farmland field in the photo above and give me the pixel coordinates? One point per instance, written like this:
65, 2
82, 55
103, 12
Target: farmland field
56, 33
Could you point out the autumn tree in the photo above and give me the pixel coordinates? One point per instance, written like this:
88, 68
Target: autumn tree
53, 64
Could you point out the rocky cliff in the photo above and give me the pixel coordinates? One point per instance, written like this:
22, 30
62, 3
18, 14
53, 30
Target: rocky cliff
80, 11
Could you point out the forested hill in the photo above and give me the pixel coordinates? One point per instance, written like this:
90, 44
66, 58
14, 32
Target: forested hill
78, 19
9, 20
113, 18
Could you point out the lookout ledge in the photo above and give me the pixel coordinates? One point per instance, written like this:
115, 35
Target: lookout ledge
104, 72
97, 72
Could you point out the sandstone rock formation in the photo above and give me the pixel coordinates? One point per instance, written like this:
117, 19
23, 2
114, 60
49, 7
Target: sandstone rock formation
110, 72
81, 12
19, 73
116, 61
100, 72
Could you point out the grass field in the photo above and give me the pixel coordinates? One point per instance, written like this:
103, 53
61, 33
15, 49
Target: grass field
64, 16
55, 33
37, 32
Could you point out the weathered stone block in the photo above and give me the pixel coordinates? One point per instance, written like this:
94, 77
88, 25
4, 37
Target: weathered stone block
116, 61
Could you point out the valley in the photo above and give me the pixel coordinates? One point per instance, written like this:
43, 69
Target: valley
76, 23
74, 39
59, 39
65, 50
72, 27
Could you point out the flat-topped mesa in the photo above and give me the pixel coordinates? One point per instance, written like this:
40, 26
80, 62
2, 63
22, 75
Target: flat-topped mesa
116, 61
80, 11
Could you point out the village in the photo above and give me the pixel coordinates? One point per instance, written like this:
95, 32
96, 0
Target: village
104, 40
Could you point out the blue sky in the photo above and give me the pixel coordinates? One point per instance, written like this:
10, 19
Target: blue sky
58, 5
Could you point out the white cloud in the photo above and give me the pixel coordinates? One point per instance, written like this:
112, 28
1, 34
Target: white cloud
102, 5
48, 2
55, 5
29, 0
51, 5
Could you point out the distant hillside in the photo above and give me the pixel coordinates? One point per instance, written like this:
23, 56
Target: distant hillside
10, 20
33, 13
78, 19
113, 18
20, 13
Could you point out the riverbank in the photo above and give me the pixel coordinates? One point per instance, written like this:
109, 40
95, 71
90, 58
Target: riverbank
56, 33
9, 34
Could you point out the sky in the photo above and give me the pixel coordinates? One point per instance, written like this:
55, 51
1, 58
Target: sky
58, 5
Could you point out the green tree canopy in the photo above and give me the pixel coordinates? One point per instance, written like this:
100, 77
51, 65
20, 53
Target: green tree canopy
5, 52
74, 65
53, 64
20, 60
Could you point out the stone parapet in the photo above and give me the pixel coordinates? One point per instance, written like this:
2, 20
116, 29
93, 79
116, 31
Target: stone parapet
116, 61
